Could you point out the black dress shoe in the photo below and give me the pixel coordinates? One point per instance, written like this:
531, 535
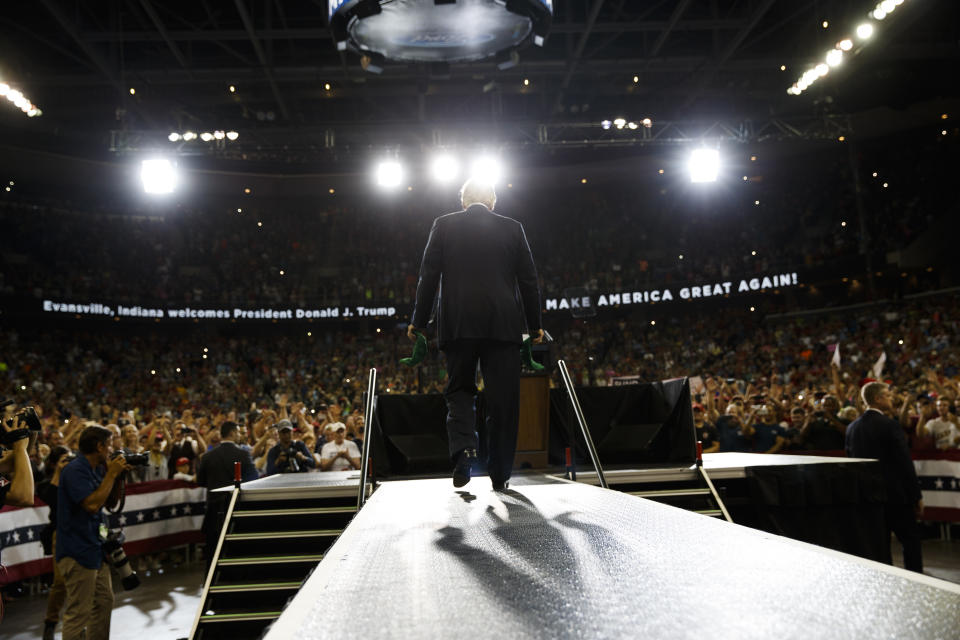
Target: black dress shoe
465, 462
501, 486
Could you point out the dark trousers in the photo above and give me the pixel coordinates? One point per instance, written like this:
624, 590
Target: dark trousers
902, 521
500, 367
212, 523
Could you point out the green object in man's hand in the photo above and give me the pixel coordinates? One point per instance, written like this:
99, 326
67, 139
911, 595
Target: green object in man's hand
419, 351
526, 354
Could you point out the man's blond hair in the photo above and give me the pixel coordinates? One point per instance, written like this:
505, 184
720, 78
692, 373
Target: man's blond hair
479, 191
871, 391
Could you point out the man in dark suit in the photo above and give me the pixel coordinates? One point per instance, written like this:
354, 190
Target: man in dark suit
874, 435
215, 470
482, 265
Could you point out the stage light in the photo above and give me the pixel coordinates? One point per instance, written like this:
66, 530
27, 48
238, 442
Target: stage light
178, 369
259, 224
900, 341
752, 308
133, 91
605, 124
636, 79
233, 89
232, 135
246, 190
756, 203
619, 123
653, 322
745, 178
4, 89
885, 185
845, 45
526, 82
753, 253
864, 31
834, 57
843, 224
704, 165
488, 169
583, 181
944, 116
874, 174
842, 138
332, 191
153, 372
878, 14
158, 176
825, 24
631, 125
219, 135
239, 210
174, 136
647, 122
281, 271
189, 135
444, 168
206, 136
205, 350
888, 6
943, 132
822, 69
783, 67
389, 174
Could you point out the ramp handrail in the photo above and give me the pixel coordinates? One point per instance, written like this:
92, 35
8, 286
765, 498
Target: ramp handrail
578, 412
367, 435
216, 553
713, 491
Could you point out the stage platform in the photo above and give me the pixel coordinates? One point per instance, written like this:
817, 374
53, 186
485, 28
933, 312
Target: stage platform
721, 466
329, 484
556, 559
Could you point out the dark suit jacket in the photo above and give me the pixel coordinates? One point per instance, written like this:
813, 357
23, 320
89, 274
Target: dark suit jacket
874, 435
216, 466
479, 261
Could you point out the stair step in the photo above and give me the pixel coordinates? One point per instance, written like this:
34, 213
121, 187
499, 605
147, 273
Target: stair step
254, 560
671, 493
257, 513
239, 616
280, 535
255, 586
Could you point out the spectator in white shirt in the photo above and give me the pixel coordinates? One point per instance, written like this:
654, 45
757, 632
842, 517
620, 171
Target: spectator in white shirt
943, 428
340, 454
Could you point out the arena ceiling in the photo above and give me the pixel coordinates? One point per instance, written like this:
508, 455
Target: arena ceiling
118, 76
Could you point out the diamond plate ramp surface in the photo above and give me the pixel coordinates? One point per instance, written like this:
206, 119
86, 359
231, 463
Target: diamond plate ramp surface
568, 560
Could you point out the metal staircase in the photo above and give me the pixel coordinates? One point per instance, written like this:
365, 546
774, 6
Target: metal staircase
269, 548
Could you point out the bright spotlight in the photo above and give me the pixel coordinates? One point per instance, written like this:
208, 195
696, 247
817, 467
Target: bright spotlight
158, 176
864, 30
232, 135
174, 137
822, 69
206, 136
846, 44
605, 124
444, 168
219, 135
704, 165
834, 57
189, 135
389, 174
619, 123
487, 169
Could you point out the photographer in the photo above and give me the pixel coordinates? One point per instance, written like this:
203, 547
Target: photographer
48, 492
18, 434
87, 484
288, 455
187, 443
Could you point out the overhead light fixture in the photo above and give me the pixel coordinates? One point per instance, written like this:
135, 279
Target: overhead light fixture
232, 135
444, 168
605, 124
19, 100
704, 165
647, 122
389, 174
864, 31
219, 135
845, 45
488, 169
158, 176
206, 136
189, 135
174, 136
619, 123
834, 57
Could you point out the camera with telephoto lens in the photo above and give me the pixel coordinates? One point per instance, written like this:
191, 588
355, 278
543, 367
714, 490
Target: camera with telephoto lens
133, 459
290, 465
114, 554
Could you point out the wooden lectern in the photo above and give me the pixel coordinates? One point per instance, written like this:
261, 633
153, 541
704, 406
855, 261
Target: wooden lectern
534, 436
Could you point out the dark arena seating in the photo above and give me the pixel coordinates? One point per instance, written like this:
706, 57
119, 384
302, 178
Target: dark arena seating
741, 214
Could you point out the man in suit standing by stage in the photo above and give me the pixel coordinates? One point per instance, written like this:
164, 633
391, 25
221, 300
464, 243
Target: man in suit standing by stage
215, 470
874, 435
479, 261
